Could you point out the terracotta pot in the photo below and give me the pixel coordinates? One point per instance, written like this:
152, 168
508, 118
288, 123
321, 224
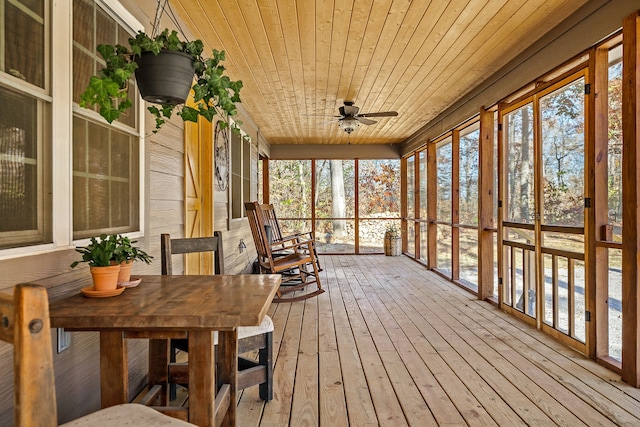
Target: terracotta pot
125, 271
105, 278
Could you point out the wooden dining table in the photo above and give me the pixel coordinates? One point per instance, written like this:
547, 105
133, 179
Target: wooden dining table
163, 307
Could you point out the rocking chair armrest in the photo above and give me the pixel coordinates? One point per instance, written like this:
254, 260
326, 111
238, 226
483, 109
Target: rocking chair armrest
311, 234
286, 239
292, 244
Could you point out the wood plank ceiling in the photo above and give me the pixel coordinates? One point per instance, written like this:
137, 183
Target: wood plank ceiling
300, 60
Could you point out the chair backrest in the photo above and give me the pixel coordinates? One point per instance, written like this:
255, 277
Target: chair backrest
25, 324
169, 246
259, 232
272, 226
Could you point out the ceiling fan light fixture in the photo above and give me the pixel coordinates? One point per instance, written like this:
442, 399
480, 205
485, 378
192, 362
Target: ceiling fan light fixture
349, 124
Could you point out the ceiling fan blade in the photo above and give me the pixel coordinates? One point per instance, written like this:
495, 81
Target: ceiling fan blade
380, 114
365, 121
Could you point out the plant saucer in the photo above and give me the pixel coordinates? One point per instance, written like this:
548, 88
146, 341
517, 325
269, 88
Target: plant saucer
92, 293
131, 283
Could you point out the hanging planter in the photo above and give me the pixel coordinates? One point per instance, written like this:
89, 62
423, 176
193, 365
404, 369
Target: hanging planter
213, 92
165, 78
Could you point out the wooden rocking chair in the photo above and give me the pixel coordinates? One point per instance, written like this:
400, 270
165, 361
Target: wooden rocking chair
274, 233
294, 258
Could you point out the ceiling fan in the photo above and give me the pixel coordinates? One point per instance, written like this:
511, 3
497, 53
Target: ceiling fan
349, 118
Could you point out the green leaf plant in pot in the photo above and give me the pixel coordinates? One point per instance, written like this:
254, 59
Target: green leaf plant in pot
98, 254
158, 62
125, 255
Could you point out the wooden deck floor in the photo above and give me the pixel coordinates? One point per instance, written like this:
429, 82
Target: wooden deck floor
392, 344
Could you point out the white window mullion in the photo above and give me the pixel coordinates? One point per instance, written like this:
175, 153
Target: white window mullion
62, 122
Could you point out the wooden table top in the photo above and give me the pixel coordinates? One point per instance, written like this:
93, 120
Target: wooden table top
177, 303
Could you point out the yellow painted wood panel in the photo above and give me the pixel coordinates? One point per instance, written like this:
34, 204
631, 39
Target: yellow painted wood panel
198, 189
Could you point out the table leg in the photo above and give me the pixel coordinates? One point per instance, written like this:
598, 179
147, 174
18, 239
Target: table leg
202, 374
114, 369
158, 367
228, 366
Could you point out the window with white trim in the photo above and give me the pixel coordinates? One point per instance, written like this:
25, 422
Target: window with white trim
25, 168
106, 159
240, 188
64, 162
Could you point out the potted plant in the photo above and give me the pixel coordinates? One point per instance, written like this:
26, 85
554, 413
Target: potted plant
214, 93
125, 254
392, 239
98, 254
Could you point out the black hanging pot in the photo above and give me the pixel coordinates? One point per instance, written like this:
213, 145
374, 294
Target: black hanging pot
165, 78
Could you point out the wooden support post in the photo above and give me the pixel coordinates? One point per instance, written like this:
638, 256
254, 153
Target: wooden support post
486, 194
501, 196
416, 206
631, 191
432, 208
455, 205
597, 217
265, 181
403, 202
356, 223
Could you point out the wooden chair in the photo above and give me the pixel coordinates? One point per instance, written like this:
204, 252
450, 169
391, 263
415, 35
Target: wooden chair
250, 338
298, 255
25, 324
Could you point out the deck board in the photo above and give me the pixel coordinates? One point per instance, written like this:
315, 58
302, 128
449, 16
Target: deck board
391, 343
358, 399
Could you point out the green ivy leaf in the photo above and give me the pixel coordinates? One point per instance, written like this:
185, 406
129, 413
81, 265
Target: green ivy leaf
207, 113
189, 114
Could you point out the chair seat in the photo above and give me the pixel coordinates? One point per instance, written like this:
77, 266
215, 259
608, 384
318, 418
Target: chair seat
251, 331
289, 261
243, 332
131, 414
